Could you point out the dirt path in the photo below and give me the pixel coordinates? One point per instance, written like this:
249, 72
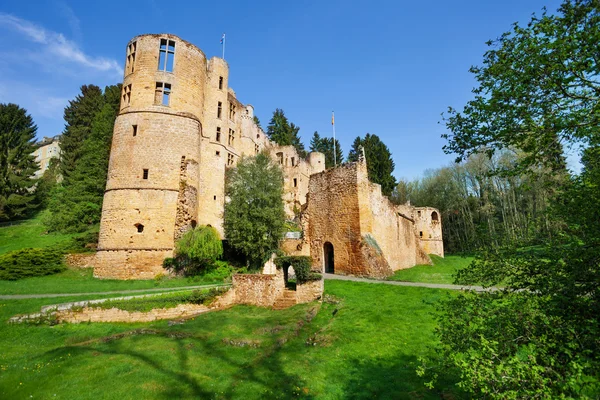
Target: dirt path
417, 284
42, 296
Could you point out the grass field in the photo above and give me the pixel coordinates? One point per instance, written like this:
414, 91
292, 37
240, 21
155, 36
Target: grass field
29, 233
365, 346
442, 270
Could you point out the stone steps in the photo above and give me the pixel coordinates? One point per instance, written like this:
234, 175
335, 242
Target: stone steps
287, 299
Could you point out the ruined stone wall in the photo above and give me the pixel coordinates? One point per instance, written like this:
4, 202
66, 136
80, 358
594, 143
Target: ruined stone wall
95, 314
428, 228
309, 291
334, 217
258, 289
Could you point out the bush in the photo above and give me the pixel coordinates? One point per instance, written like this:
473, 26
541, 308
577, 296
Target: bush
195, 252
302, 266
26, 263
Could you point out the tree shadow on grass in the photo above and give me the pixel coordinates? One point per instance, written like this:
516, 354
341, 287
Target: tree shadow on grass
264, 371
394, 378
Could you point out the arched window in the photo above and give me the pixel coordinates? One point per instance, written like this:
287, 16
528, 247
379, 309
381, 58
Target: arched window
434, 216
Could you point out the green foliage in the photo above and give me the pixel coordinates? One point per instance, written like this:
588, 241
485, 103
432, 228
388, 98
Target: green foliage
325, 145
254, 217
284, 133
76, 203
26, 263
17, 164
379, 161
302, 267
538, 338
79, 115
195, 252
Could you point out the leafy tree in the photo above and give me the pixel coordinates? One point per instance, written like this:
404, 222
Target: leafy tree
257, 121
78, 115
379, 161
284, 133
325, 146
76, 203
538, 337
196, 251
254, 217
17, 164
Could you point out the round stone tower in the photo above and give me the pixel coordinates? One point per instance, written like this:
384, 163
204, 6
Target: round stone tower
152, 188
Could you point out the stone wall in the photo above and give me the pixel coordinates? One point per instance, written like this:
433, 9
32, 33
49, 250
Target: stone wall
258, 289
309, 291
130, 264
94, 314
429, 229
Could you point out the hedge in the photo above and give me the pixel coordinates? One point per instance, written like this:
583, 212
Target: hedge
26, 263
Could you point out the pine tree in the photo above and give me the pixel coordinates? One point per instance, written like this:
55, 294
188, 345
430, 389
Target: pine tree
17, 164
78, 115
325, 146
284, 133
379, 161
77, 202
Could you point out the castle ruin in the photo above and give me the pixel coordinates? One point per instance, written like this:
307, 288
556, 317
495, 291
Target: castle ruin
179, 128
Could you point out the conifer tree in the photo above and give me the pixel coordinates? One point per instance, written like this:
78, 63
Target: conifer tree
78, 115
77, 202
379, 161
325, 146
17, 164
284, 133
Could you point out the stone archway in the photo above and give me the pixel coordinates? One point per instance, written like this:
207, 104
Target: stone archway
328, 258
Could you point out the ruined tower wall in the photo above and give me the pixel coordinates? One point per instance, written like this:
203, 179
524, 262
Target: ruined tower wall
152, 177
428, 226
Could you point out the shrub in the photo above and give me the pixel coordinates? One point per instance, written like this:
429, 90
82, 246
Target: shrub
302, 265
26, 263
195, 252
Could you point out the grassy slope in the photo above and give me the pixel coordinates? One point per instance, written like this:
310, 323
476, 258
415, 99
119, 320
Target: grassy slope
29, 233
442, 270
368, 348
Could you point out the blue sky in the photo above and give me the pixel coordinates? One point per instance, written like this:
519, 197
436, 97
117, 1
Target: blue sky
386, 67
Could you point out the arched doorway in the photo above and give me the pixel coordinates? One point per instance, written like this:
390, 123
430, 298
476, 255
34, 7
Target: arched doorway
328, 257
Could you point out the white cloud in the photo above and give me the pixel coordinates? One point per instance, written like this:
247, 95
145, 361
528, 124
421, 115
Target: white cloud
58, 45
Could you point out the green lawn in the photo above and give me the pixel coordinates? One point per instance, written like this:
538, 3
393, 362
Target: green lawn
365, 346
29, 233
442, 270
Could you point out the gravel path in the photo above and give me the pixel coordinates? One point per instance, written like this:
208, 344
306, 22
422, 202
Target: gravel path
42, 296
417, 284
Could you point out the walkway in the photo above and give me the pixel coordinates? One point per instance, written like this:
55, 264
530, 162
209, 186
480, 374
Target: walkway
417, 284
42, 296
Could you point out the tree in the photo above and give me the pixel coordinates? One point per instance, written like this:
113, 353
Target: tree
78, 115
257, 121
284, 133
538, 337
254, 217
379, 161
325, 146
17, 164
196, 251
76, 203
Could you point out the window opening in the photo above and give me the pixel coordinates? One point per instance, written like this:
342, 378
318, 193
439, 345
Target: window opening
214, 197
293, 161
420, 233
229, 159
280, 158
218, 154
419, 214
163, 94
145, 176
295, 182
220, 82
231, 111
130, 65
134, 130
140, 228
434, 216
126, 95
231, 137
218, 136
219, 109
166, 55
256, 149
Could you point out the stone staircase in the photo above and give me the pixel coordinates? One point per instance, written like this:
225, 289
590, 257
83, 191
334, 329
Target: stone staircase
287, 299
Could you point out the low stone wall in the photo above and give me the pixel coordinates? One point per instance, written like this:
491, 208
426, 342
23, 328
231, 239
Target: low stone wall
258, 289
80, 260
130, 264
94, 314
309, 291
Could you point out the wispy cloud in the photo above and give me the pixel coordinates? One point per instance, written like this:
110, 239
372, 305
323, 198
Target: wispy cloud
57, 44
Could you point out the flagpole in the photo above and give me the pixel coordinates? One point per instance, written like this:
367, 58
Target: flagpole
334, 145
223, 40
